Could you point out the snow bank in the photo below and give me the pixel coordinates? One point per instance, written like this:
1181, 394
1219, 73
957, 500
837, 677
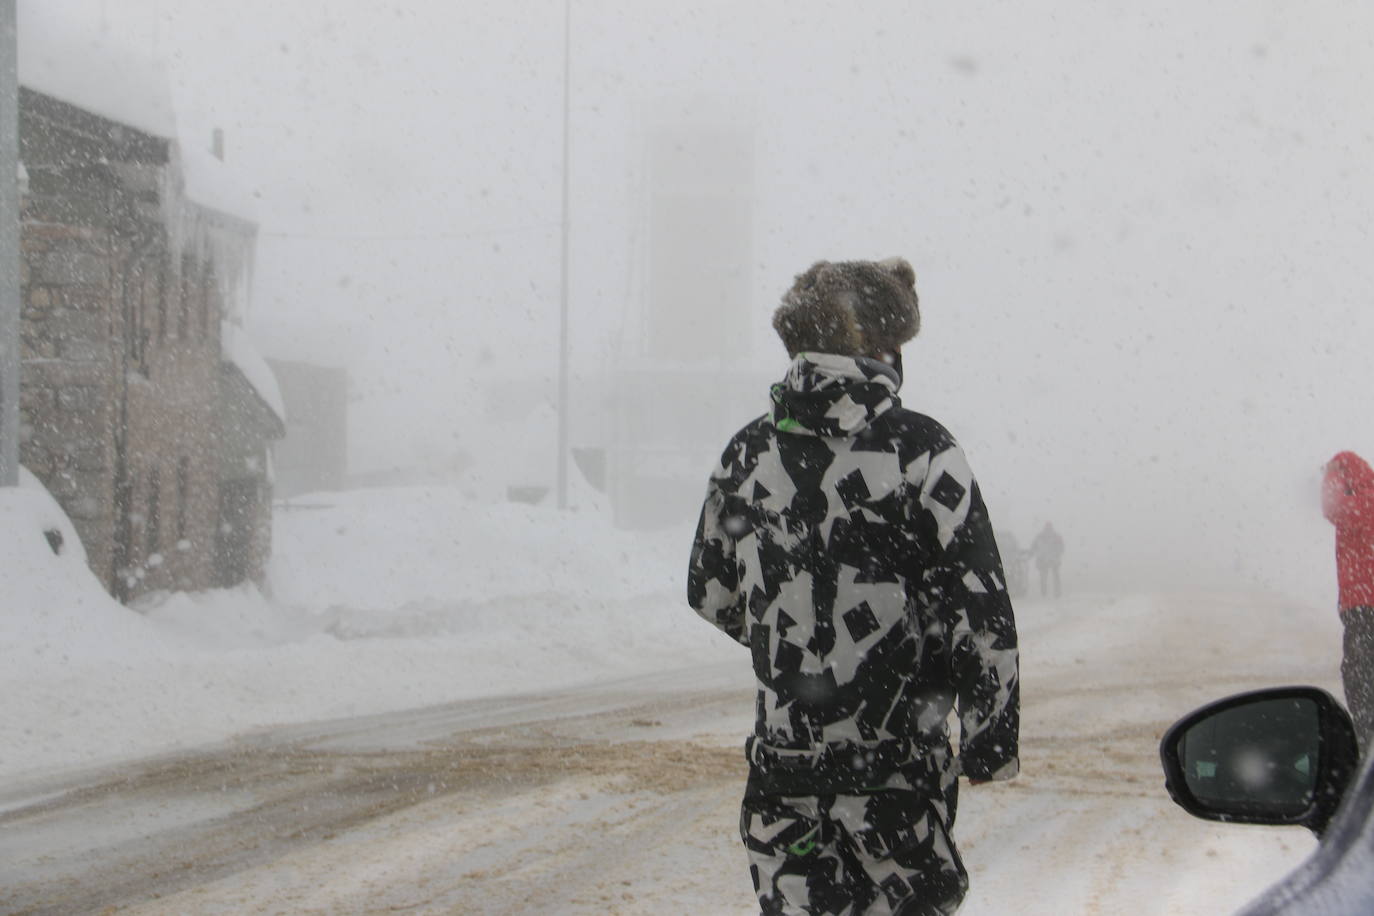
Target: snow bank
54, 609
385, 549
61, 635
384, 600
514, 597
226, 620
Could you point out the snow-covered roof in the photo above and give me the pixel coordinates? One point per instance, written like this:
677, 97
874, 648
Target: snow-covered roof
81, 63
238, 349
84, 63
210, 183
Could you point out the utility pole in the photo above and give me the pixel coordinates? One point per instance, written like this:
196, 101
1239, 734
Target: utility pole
563, 286
9, 245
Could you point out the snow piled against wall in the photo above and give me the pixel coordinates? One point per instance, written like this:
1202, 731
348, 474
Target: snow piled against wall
53, 607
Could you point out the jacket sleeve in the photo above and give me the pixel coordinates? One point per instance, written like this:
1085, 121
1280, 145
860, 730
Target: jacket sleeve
712, 572
964, 594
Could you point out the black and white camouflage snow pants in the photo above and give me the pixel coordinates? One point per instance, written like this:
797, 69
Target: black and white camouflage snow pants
886, 852
1357, 670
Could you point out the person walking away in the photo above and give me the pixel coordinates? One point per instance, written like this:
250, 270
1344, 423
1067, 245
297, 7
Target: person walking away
1048, 549
844, 541
1348, 501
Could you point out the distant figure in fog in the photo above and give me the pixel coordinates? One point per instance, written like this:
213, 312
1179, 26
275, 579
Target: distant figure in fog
1348, 501
1015, 562
1048, 550
845, 542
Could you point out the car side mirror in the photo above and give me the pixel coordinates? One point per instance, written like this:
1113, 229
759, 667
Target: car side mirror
1278, 756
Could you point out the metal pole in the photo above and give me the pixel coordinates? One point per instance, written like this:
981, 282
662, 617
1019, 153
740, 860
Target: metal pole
9, 246
563, 292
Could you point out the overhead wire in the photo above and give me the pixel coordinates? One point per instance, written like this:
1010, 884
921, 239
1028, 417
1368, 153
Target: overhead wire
426, 237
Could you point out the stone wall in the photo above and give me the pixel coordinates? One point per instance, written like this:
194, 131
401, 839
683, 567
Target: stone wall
172, 438
121, 363
69, 370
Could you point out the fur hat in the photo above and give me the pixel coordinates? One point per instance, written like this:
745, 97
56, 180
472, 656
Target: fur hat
850, 308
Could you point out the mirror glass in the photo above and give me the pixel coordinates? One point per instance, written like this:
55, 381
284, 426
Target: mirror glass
1259, 757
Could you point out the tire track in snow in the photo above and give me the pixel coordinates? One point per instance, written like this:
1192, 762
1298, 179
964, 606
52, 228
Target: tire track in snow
229, 810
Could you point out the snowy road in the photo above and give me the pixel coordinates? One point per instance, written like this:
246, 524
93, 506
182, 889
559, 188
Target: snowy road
461, 791
621, 797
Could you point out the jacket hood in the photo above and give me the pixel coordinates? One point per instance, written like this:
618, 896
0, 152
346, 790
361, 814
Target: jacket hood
1348, 490
828, 395
1349, 468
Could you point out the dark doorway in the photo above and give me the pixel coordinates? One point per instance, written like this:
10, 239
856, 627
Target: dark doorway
237, 533
121, 558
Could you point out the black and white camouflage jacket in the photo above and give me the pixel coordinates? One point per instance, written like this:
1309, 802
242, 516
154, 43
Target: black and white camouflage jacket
845, 542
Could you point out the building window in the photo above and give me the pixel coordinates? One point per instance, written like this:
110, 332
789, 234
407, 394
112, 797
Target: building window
153, 540
183, 494
125, 520
184, 315
207, 301
137, 332
162, 272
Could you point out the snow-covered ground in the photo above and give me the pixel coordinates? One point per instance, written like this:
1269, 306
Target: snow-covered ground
383, 600
620, 796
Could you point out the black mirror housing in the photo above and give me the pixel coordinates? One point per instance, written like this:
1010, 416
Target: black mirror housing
1282, 756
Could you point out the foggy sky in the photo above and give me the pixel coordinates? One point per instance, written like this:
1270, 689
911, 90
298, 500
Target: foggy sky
1141, 234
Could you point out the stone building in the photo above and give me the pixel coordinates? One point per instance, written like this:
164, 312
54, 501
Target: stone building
130, 262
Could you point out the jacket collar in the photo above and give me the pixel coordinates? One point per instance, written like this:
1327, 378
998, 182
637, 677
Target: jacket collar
825, 394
